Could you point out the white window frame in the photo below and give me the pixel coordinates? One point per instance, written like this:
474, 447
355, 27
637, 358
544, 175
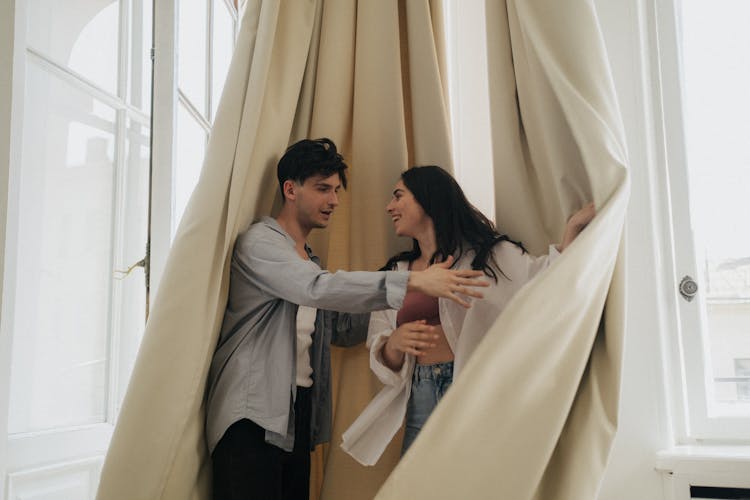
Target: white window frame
164, 126
36, 452
166, 96
688, 350
22, 451
12, 33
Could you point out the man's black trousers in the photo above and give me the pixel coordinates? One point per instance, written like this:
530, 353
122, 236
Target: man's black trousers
246, 467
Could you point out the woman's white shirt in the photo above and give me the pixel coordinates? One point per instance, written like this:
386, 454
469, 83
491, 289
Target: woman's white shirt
370, 433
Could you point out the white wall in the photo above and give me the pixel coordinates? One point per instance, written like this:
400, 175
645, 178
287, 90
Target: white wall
9, 83
644, 426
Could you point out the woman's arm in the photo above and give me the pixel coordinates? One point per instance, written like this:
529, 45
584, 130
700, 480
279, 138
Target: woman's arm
382, 325
412, 338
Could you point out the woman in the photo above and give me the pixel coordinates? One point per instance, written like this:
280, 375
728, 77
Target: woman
428, 339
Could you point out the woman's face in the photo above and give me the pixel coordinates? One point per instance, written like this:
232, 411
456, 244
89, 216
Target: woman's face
408, 216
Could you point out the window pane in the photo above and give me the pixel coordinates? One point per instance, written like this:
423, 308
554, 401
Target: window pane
223, 47
139, 79
79, 34
716, 52
191, 146
191, 51
742, 372
131, 289
61, 312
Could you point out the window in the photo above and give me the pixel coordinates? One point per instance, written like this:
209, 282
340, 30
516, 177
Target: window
742, 379
84, 209
206, 33
709, 169
196, 38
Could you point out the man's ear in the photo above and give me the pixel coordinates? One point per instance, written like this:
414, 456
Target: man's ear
290, 189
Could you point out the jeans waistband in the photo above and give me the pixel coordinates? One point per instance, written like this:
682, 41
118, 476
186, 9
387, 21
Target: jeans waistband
438, 370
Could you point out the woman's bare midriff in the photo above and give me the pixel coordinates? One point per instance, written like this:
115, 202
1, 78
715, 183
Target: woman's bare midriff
441, 353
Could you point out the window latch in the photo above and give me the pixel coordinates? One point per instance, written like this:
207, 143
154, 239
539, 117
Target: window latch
688, 288
122, 274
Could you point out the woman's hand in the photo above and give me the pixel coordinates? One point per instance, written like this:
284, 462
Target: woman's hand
439, 280
415, 337
577, 222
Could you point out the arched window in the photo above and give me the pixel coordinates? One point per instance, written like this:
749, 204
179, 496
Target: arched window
82, 213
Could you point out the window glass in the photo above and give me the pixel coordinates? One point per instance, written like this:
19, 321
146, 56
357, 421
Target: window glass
716, 60
191, 53
139, 80
64, 270
742, 373
79, 34
190, 148
223, 46
131, 289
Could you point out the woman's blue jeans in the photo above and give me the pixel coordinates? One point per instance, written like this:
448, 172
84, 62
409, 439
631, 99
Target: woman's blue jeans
428, 385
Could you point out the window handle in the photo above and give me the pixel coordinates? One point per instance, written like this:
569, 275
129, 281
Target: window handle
121, 275
688, 288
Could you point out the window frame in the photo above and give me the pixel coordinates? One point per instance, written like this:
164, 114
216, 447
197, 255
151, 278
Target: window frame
89, 436
24, 453
166, 97
687, 350
12, 32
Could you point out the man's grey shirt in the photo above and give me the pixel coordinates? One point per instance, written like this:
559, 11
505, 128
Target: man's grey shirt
252, 373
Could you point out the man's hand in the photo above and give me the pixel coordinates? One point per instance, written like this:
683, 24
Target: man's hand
439, 280
415, 337
577, 222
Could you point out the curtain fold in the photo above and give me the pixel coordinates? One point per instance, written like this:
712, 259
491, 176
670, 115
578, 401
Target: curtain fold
379, 94
534, 412
158, 448
308, 68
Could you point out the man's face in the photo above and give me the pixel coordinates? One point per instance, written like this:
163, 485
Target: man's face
315, 200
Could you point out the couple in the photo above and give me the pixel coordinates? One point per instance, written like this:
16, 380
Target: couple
269, 392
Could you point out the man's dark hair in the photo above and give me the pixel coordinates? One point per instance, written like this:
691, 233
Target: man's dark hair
310, 157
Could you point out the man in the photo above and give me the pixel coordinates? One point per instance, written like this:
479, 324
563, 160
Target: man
269, 394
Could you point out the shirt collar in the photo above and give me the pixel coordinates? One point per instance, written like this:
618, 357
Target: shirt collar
274, 224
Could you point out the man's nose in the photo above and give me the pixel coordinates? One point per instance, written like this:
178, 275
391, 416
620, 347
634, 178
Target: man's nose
334, 200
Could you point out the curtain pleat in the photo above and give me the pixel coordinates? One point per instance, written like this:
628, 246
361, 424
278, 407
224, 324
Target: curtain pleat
379, 94
533, 413
307, 68
158, 448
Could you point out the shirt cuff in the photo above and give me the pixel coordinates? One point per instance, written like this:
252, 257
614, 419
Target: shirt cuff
379, 368
395, 288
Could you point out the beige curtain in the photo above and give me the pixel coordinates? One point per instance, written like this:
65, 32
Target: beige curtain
533, 414
365, 73
375, 87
